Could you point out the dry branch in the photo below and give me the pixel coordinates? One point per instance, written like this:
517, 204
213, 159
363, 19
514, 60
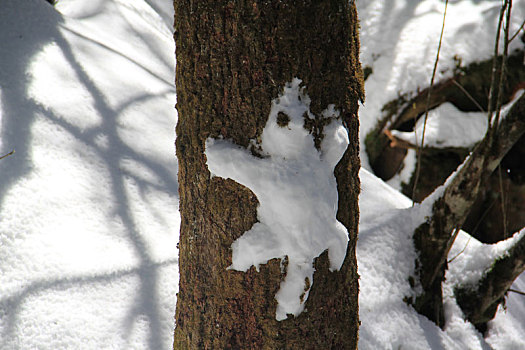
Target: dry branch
7, 155
396, 142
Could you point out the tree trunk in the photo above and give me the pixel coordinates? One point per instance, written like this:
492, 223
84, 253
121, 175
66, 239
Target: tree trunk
434, 238
233, 57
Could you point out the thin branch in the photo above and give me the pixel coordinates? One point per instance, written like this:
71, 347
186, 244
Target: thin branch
475, 229
7, 155
450, 243
517, 32
516, 291
461, 252
508, 4
420, 148
495, 124
494, 63
468, 95
503, 202
396, 142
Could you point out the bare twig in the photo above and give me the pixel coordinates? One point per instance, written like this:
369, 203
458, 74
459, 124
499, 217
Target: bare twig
494, 64
396, 142
420, 147
506, 41
468, 95
475, 229
450, 243
518, 31
503, 203
516, 291
508, 4
461, 252
7, 155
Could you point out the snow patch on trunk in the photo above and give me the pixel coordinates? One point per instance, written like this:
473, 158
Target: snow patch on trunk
297, 192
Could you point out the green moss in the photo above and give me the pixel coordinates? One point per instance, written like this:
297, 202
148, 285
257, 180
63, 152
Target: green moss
375, 142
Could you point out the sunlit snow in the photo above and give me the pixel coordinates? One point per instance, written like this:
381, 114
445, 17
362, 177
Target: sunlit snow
89, 207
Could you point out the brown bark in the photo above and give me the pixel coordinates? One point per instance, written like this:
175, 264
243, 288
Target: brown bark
233, 57
480, 302
434, 238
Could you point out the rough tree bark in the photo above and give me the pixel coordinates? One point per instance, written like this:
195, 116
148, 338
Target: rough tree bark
434, 238
233, 57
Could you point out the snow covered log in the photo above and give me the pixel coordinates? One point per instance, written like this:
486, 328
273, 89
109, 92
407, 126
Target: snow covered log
466, 91
434, 238
480, 302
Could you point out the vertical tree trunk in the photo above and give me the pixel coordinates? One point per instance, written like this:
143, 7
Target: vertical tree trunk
233, 57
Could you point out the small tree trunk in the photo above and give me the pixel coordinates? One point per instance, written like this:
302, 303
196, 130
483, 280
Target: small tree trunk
433, 239
232, 59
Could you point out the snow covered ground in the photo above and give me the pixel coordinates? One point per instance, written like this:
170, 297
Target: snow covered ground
88, 203
88, 221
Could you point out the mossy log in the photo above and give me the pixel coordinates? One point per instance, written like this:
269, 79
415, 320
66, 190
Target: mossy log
498, 211
467, 90
480, 302
434, 238
233, 57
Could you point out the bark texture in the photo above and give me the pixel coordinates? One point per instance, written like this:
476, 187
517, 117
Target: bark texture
233, 57
434, 238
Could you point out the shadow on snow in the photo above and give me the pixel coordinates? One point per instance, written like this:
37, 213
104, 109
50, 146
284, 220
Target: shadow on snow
21, 40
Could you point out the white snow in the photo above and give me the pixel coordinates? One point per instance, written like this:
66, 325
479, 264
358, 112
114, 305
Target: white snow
399, 40
448, 127
297, 193
472, 257
88, 218
89, 208
386, 259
